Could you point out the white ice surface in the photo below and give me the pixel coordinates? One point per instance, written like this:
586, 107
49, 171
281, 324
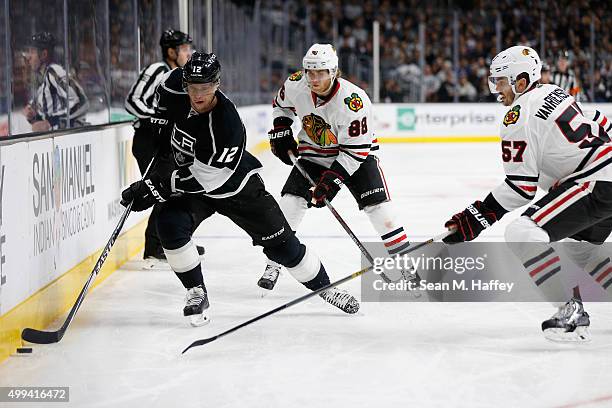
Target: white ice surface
123, 349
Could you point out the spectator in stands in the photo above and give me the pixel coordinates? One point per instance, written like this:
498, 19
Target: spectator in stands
466, 91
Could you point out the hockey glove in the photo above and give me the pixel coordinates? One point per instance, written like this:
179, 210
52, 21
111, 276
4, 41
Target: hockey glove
282, 141
146, 193
328, 186
473, 220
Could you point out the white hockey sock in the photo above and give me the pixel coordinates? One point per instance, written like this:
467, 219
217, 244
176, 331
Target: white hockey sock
183, 259
307, 269
391, 233
530, 244
294, 208
594, 259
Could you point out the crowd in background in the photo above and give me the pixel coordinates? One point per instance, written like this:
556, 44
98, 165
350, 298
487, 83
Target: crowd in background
456, 68
433, 51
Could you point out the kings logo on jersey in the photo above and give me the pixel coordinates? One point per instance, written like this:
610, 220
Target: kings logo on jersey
318, 130
296, 76
512, 116
354, 102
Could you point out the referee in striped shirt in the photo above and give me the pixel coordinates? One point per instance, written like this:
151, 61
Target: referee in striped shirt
564, 77
58, 101
176, 50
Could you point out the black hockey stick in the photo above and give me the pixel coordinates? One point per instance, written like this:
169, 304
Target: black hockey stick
338, 217
48, 337
201, 342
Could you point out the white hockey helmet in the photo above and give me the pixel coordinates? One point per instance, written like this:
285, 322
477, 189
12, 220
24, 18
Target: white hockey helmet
512, 62
321, 56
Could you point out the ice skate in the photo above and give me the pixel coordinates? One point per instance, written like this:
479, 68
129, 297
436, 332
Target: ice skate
569, 324
269, 279
155, 261
197, 306
341, 299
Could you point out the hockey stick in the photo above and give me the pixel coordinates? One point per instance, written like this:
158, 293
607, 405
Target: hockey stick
48, 337
201, 342
348, 230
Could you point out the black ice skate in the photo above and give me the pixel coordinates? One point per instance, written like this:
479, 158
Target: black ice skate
341, 299
197, 306
269, 278
569, 323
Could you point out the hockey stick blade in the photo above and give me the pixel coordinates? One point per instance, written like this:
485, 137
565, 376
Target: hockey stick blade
48, 337
302, 298
40, 336
200, 343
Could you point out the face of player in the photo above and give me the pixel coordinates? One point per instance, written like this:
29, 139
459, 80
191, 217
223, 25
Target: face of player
503, 89
202, 96
320, 81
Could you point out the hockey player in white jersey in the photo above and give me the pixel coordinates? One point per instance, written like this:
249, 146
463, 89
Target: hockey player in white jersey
548, 142
335, 145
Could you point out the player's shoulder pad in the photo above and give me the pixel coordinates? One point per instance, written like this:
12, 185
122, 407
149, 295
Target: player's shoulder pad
354, 99
295, 82
296, 76
546, 100
226, 117
172, 82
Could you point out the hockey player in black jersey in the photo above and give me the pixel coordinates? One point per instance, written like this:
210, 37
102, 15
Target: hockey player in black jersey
212, 172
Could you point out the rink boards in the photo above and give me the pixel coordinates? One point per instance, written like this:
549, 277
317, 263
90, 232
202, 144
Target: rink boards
59, 204
59, 201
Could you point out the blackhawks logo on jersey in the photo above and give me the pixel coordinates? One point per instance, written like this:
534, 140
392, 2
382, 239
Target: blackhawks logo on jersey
318, 130
354, 102
296, 76
512, 116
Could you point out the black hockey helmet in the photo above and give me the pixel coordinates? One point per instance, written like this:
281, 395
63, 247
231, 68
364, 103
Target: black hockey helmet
563, 54
201, 68
43, 41
173, 38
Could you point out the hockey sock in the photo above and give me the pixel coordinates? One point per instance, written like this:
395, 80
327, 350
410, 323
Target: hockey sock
308, 270
529, 243
594, 259
393, 235
294, 208
185, 262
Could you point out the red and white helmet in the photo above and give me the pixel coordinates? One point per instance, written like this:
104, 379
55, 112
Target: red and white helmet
512, 62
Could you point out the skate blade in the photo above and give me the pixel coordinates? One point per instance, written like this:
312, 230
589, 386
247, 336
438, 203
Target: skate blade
199, 320
263, 292
559, 335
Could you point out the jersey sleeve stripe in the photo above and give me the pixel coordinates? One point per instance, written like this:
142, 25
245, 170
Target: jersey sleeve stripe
533, 179
520, 192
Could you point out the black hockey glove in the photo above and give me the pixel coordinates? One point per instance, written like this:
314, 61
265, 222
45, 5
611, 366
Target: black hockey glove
146, 193
328, 186
282, 141
470, 222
